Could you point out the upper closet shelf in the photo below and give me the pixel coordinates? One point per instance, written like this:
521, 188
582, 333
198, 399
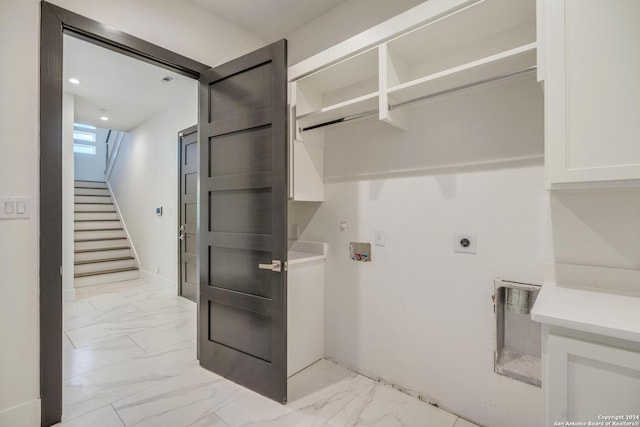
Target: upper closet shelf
501, 64
356, 106
445, 45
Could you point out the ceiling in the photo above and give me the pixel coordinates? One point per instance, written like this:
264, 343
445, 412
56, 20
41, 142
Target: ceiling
270, 20
130, 90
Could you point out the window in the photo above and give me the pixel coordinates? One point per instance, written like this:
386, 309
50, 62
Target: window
80, 135
84, 149
83, 126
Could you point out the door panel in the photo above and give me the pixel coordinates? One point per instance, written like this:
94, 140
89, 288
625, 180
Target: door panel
187, 222
241, 211
242, 221
241, 153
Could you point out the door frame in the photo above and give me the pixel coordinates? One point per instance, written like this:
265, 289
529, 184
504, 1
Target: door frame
54, 22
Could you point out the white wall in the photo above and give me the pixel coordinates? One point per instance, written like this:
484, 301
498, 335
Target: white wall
598, 228
346, 20
145, 176
19, 373
90, 167
68, 173
419, 314
178, 26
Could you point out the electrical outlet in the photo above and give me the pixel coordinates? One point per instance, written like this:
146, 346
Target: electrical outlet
465, 243
379, 238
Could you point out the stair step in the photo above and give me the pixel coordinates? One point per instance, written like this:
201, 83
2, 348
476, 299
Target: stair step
92, 203
96, 216
80, 235
91, 255
101, 249
100, 243
90, 184
116, 275
115, 270
124, 258
97, 200
99, 229
96, 220
80, 191
86, 267
99, 239
94, 207
112, 224
84, 224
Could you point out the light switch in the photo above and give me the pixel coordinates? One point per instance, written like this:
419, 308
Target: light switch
15, 207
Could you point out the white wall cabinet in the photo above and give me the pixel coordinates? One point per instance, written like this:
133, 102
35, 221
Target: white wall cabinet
590, 344
589, 60
586, 379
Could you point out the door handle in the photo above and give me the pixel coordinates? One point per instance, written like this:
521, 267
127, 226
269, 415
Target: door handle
276, 265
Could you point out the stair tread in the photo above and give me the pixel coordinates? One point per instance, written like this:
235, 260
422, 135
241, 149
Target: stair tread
103, 238
94, 203
97, 273
85, 180
95, 220
92, 195
94, 211
101, 229
116, 248
93, 261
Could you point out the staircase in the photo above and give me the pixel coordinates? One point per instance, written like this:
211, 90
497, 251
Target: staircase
102, 253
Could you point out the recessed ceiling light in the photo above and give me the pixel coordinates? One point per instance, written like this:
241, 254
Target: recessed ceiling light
104, 118
74, 81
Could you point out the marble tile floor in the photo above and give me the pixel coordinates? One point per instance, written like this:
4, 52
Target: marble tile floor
130, 360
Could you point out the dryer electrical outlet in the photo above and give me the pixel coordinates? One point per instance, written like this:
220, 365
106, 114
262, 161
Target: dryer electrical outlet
465, 243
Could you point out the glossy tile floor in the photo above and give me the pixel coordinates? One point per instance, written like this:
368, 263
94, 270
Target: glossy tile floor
130, 360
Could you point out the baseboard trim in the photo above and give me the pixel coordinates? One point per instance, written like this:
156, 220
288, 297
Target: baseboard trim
155, 279
68, 295
26, 414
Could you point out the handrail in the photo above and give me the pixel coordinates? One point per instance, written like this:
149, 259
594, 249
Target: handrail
106, 143
119, 137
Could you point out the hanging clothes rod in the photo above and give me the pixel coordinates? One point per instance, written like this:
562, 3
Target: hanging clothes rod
462, 87
420, 99
366, 114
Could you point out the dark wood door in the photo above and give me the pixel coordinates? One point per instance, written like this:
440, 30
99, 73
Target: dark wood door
188, 217
242, 225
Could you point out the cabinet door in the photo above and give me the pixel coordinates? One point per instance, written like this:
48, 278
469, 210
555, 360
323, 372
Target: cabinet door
584, 380
592, 95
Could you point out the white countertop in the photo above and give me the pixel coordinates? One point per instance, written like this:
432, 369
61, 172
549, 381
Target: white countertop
304, 251
604, 313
